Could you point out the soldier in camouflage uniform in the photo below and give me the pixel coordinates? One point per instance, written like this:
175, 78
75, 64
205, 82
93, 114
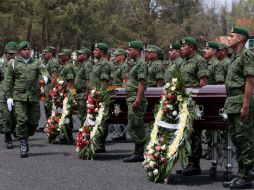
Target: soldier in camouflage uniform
175, 59
99, 79
239, 107
22, 90
194, 70
155, 68
136, 100
82, 80
216, 76
7, 119
222, 55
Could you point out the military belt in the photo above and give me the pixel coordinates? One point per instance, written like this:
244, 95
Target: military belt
235, 92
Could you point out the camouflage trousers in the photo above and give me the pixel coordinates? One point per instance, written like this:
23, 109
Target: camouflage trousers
136, 126
7, 119
82, 110
242, 134
196, 147
27, 115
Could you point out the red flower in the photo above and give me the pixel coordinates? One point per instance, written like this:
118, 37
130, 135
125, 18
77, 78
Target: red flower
87, 142
171, 97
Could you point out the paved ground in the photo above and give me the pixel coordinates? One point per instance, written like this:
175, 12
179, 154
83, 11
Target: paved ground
58, 167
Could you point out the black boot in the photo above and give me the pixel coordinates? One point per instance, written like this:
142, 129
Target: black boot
8, 140
138, 155
24, 148
101, 149
241, 183
228, 183
189, 170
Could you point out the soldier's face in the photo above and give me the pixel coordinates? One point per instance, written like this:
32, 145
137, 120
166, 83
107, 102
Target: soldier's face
174, 54
152, 56
63, 58
97, 53
119, 59
186, 50
25, 53
233, 39
82, 57
10, 56
209, 52
47, 55
133, 53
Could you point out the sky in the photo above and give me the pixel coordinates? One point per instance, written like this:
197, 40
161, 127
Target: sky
219, 3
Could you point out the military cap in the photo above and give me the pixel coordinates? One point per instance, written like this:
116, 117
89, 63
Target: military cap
23, 44
120, 52
11, 47
50, 49
175, 45
212, 44
136, 45
222, 46
189, 40
153, 48
101, 46
241, 31
65, 52
84, 51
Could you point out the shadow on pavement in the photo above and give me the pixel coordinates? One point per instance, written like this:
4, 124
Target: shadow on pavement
50, 153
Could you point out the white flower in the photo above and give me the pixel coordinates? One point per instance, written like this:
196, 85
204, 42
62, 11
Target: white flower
151, 151
152, 164
96, 110
61, 82
179, 98
174, 80
92, 92
163, 147
81, 130
77, 149
173, 88
155, 172
149, 146
150, 174
170, 107
91, 116
175, 113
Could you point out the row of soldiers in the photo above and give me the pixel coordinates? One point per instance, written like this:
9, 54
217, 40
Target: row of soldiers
20, 76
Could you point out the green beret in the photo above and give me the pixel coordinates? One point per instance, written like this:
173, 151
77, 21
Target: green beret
11, 47
222, 46
175, 45
241, 31
65, 52
101, 46
23, 44
153, 48
50, 49
84, 51
189, 40
212, 44
120, 52
136, 45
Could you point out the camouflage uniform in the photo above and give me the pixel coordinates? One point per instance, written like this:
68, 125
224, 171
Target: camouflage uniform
155, 73
193, 69
136, 118
225, 62
66, 70
241, 133
101, 72
7, 119
171, 68
216, 72
21, 85
80, 84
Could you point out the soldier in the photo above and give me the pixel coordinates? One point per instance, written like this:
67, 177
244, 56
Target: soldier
239, 106
222, 55
175, 58
119, 73
7, 119
136, 100
155, 69
99, 79
82, 80
22, 90
194, 70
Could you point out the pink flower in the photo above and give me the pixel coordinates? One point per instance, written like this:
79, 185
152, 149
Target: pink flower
158, 147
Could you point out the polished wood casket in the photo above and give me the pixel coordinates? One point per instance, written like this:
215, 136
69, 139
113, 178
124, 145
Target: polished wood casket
210, 100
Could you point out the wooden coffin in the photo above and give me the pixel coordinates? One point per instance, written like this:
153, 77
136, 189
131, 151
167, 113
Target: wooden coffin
210, 98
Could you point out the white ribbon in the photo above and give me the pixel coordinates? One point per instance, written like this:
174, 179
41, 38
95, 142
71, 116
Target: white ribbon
168, 125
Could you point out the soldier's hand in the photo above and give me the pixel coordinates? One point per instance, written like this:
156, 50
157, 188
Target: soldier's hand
244, 113
136, 105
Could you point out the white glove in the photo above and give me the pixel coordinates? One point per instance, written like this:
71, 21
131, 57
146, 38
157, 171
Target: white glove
10, 104
45, 79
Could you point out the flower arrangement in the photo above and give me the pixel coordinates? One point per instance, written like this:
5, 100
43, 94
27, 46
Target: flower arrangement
63, 99
169, 138
86, 139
